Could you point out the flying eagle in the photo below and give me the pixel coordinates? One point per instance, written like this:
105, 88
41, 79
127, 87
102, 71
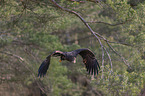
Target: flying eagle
88, 56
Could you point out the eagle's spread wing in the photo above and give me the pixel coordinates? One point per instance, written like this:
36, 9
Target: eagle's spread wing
89, 60
45, 64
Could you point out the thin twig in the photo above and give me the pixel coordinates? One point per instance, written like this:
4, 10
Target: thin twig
22, 60
109, 59
103, 65
78, 1
88, 36
121, 23
124, 60
122, 43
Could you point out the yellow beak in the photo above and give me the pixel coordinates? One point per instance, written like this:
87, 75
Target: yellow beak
59, 60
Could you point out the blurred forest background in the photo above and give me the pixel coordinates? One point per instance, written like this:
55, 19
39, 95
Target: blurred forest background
32, 29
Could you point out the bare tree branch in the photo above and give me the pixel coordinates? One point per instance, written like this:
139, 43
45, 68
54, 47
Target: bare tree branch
78, 1
122, 43
23, 60
88, 36
86, 24
97, 35
121, 23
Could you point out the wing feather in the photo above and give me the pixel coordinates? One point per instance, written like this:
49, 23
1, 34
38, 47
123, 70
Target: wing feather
89, 60
45, 64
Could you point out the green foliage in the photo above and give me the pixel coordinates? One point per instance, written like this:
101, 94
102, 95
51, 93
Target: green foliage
39, 29
118, 84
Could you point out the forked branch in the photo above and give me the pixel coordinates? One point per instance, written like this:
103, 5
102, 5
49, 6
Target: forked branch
97, 35
86, 24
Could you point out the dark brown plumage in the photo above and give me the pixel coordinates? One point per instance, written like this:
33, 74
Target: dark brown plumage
88, 56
